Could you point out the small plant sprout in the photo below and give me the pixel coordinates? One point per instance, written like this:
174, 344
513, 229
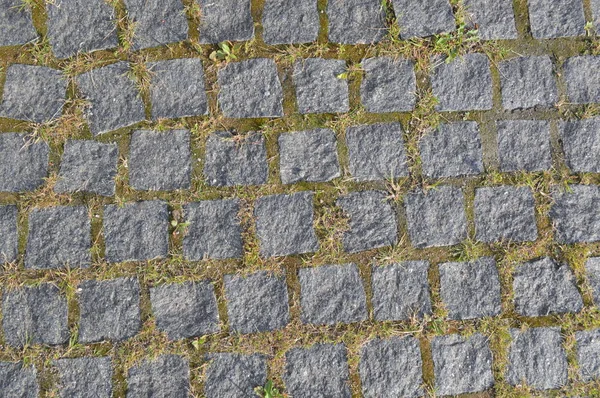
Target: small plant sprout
223, 53
268, 391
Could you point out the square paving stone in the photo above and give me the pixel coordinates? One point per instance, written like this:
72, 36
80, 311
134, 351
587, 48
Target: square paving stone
290, 21
372, 221
515, 140
16, 26
391, 368
88, 166
580, 141
284, 224
114, 100
309, 155
35, 315
23, 162
80, 26
551, 19
452, 150
85, 377
527, 82
493, 19
225, 20
250, 89
505, 213
234, 375
592, 270
461, 364
184, 310
332, 294
59, 237
463, 84
436, 217
165, 376
418, 18
214, 230
33, 93
17, 380
109, 310
235, 159
470, 290
376, 152
536, 357
583, 85
356, 21
177, 88
319, 87
137, 231
257, 302
389, 85
9, 237
317, 371
156, 22
595, 8
160, 160
588, 354
574, 214
400, 291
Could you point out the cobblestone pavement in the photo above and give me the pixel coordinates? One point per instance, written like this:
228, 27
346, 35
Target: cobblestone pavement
303, 198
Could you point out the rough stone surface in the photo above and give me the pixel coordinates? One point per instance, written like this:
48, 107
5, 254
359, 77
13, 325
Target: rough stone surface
595, 8
551, 19
88, 166
290, 21
214, 230
109, 310
493, 19
80, 26
331, 294
536, 357
320, 86
452, 150
588, 354
35, 315
59, 237
284, 224
574, 214
234, 375
436, 217
580, 141
33, 93
505, 213
461, 365
165, 376
471, 289
376, 152
137, 231
250, 89
318, 371
515, 140
356, 21
114, 100
160, 160
389, 85
583, 85
418, 18
156, 22
231, 160
372, 221
184, 310
225, 20
9, 238
592, 270
23, 162
177, 88
257, 302
17, 380
16, 25
527, 82
85, 377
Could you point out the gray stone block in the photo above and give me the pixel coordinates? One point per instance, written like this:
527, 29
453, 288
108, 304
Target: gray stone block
17, 380
114, 100
331, 294
59, 237
461, 364
389, 85
184, 310
9, 237
290, 21
418, 18
588, 354
515, 140
257, 302
493, 19
595, 9
592, 271
573, 214
35, 315
537, 358
356, 21
137, 231
552, 19
165, 376
160, 160
583, 85
234, 375
225, 20
436, 217
214, 230
88, 166
235, 159
309, 155
580, 140
452, 150
284, 224
85, 377
250, 89
109, 310
317, 371
16, 26
320, 86
76, 26
463, 84
156, 22
33, 93
23, 162
528, 82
